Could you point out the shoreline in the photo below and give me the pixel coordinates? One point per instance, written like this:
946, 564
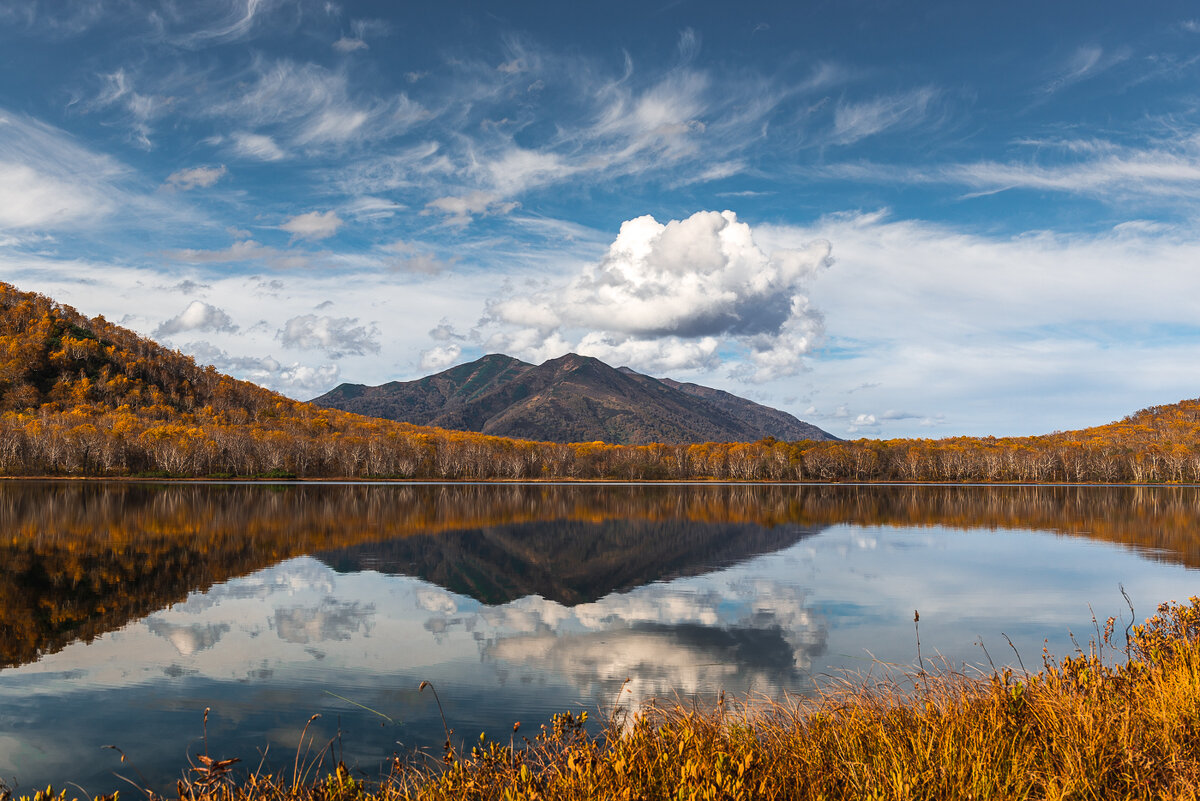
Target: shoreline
1116, 720
616, 482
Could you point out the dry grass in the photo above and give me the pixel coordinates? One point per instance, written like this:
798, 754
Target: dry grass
1119, 720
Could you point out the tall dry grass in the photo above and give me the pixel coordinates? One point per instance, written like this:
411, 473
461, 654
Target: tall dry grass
1119, 719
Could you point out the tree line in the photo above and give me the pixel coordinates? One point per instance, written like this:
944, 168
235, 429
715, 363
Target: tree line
81, 396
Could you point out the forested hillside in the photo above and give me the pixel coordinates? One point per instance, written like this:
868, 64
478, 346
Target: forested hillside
81, 396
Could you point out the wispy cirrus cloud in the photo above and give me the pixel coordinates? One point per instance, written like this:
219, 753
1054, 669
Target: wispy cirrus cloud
1161, 171
310, 106
49, 181
853, 121
1085, 63
256, 146
139, 109
223, 22
681, 126
360, 31
251, 253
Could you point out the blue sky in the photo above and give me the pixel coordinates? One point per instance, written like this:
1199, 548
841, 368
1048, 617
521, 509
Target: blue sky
891, 219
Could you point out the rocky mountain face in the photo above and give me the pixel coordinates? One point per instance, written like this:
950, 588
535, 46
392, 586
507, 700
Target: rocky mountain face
570, 399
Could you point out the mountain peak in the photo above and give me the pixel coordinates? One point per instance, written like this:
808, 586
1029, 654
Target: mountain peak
571, 398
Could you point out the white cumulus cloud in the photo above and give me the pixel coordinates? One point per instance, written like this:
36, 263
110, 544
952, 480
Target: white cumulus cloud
296, 380
337, 336
348, 45
198, 316
202, 177
313, 225
459, 210
440, 357
669, 295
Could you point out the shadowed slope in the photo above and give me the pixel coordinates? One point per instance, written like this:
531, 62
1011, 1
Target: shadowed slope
570, 399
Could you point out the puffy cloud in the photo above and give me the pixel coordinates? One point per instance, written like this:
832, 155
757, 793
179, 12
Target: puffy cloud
313, 225
662, 355
331, 620
714, 631
203, 177
444, 331
440, 357
198, 316
338, 336
349, 45
295, 380
188, 638
668, 296
863, 422
413, 258
460, 209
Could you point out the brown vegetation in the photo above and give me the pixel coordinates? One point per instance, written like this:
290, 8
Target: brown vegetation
1116, 721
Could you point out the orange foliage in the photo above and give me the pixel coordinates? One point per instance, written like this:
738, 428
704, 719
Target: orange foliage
82, 396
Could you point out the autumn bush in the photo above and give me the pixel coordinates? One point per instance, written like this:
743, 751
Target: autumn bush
1120, 719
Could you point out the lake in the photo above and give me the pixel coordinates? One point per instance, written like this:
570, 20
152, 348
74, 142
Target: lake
127, 609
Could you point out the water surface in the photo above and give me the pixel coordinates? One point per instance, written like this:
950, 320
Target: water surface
127, 609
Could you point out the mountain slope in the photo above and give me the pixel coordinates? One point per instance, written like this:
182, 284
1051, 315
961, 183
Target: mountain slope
754, 415
570, 399
426, 398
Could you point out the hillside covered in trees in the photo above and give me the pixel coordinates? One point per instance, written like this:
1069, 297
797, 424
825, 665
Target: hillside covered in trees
81, 396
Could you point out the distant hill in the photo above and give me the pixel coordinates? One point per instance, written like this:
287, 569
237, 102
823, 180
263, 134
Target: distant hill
570, 399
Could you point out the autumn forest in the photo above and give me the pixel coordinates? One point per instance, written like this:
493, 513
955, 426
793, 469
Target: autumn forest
81, 396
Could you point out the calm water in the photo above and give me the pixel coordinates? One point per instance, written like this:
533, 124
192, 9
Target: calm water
127, 609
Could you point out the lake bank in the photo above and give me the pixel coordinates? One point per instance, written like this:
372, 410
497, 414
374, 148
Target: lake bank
1115, 720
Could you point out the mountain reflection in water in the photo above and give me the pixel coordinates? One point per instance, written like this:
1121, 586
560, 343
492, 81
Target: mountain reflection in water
81, 559
123, 601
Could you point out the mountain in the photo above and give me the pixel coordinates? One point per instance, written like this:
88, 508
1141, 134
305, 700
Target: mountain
566, 561
570, 399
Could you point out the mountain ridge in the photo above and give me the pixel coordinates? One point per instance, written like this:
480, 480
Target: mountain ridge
572, 398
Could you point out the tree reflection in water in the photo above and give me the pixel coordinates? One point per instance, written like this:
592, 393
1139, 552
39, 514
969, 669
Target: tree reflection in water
83, 558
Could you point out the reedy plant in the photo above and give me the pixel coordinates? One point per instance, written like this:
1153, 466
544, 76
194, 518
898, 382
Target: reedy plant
1114, 720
